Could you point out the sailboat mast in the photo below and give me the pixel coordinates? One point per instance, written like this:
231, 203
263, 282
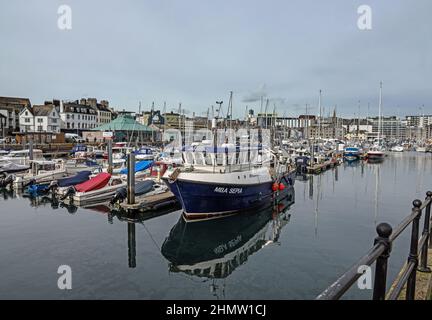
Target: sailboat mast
379, 113
320, 115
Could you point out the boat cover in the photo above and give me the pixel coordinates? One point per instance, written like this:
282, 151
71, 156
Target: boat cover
139, 166
98, 182
141, 187
38, 188
13, 167
80, 177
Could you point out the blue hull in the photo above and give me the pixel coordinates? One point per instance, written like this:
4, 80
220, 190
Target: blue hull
202, 200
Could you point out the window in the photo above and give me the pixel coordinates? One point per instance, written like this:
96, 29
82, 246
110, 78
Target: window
40, 120
73, 125
40, 128
53, 114
68, 125
78, 117
67, 116
27, 120
54, 120
26, 113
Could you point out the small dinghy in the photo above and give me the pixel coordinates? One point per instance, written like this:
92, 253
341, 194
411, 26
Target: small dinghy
11, 167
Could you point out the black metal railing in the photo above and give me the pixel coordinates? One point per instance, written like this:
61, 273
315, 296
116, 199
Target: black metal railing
380, 252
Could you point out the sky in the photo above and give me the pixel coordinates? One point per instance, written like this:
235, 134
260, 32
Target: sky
195, 52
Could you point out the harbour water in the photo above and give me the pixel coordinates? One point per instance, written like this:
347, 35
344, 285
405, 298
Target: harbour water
293, 251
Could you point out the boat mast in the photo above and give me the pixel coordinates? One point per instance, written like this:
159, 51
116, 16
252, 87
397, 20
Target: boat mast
320, 115
379, 114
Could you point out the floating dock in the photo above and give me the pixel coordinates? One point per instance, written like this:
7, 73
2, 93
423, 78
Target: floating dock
320, 167
150, 203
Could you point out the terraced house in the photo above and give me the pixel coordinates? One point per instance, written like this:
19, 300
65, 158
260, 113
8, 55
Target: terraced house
40, 118
77, 116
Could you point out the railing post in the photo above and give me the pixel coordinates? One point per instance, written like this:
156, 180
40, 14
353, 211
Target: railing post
426, 232
413, 256
384, 231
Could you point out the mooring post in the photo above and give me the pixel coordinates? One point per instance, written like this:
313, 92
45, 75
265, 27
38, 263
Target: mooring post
413, 256
131, 179
426, 232
384, 231
31, 150
31, 157
110, 157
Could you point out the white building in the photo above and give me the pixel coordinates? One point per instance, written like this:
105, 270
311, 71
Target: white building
76, 117
44, 118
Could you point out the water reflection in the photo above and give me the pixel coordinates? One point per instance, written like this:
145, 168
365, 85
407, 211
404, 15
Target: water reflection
214, 249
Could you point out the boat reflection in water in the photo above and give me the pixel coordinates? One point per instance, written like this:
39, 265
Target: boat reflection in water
214, 249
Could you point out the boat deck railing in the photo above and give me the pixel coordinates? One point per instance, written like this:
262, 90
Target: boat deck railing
380, 252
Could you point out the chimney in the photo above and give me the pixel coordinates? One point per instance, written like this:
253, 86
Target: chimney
92, 102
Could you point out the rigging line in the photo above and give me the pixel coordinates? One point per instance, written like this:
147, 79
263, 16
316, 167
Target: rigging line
151, 237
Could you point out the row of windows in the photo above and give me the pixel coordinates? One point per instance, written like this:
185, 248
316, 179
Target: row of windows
71, 125
82, 110
39, 120
84, 117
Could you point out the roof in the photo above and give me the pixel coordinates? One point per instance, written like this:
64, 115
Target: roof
123, 123
42, 111
69, 105
13, 101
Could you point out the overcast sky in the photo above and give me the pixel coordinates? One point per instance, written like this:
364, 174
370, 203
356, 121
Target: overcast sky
197, 51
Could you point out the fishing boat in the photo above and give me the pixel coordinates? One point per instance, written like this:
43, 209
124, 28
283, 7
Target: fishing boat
351, 154
99, 188
224, 187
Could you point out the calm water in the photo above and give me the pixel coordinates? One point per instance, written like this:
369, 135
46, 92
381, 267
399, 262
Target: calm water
290, 252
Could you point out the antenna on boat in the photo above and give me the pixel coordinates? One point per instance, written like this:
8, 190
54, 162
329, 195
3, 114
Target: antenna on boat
265, 113
229, 112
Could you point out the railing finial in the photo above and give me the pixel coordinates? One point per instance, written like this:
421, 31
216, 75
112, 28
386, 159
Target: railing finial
429, 194
384, 230
417, 203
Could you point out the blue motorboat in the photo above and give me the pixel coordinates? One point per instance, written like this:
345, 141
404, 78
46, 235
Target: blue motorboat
352, 154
